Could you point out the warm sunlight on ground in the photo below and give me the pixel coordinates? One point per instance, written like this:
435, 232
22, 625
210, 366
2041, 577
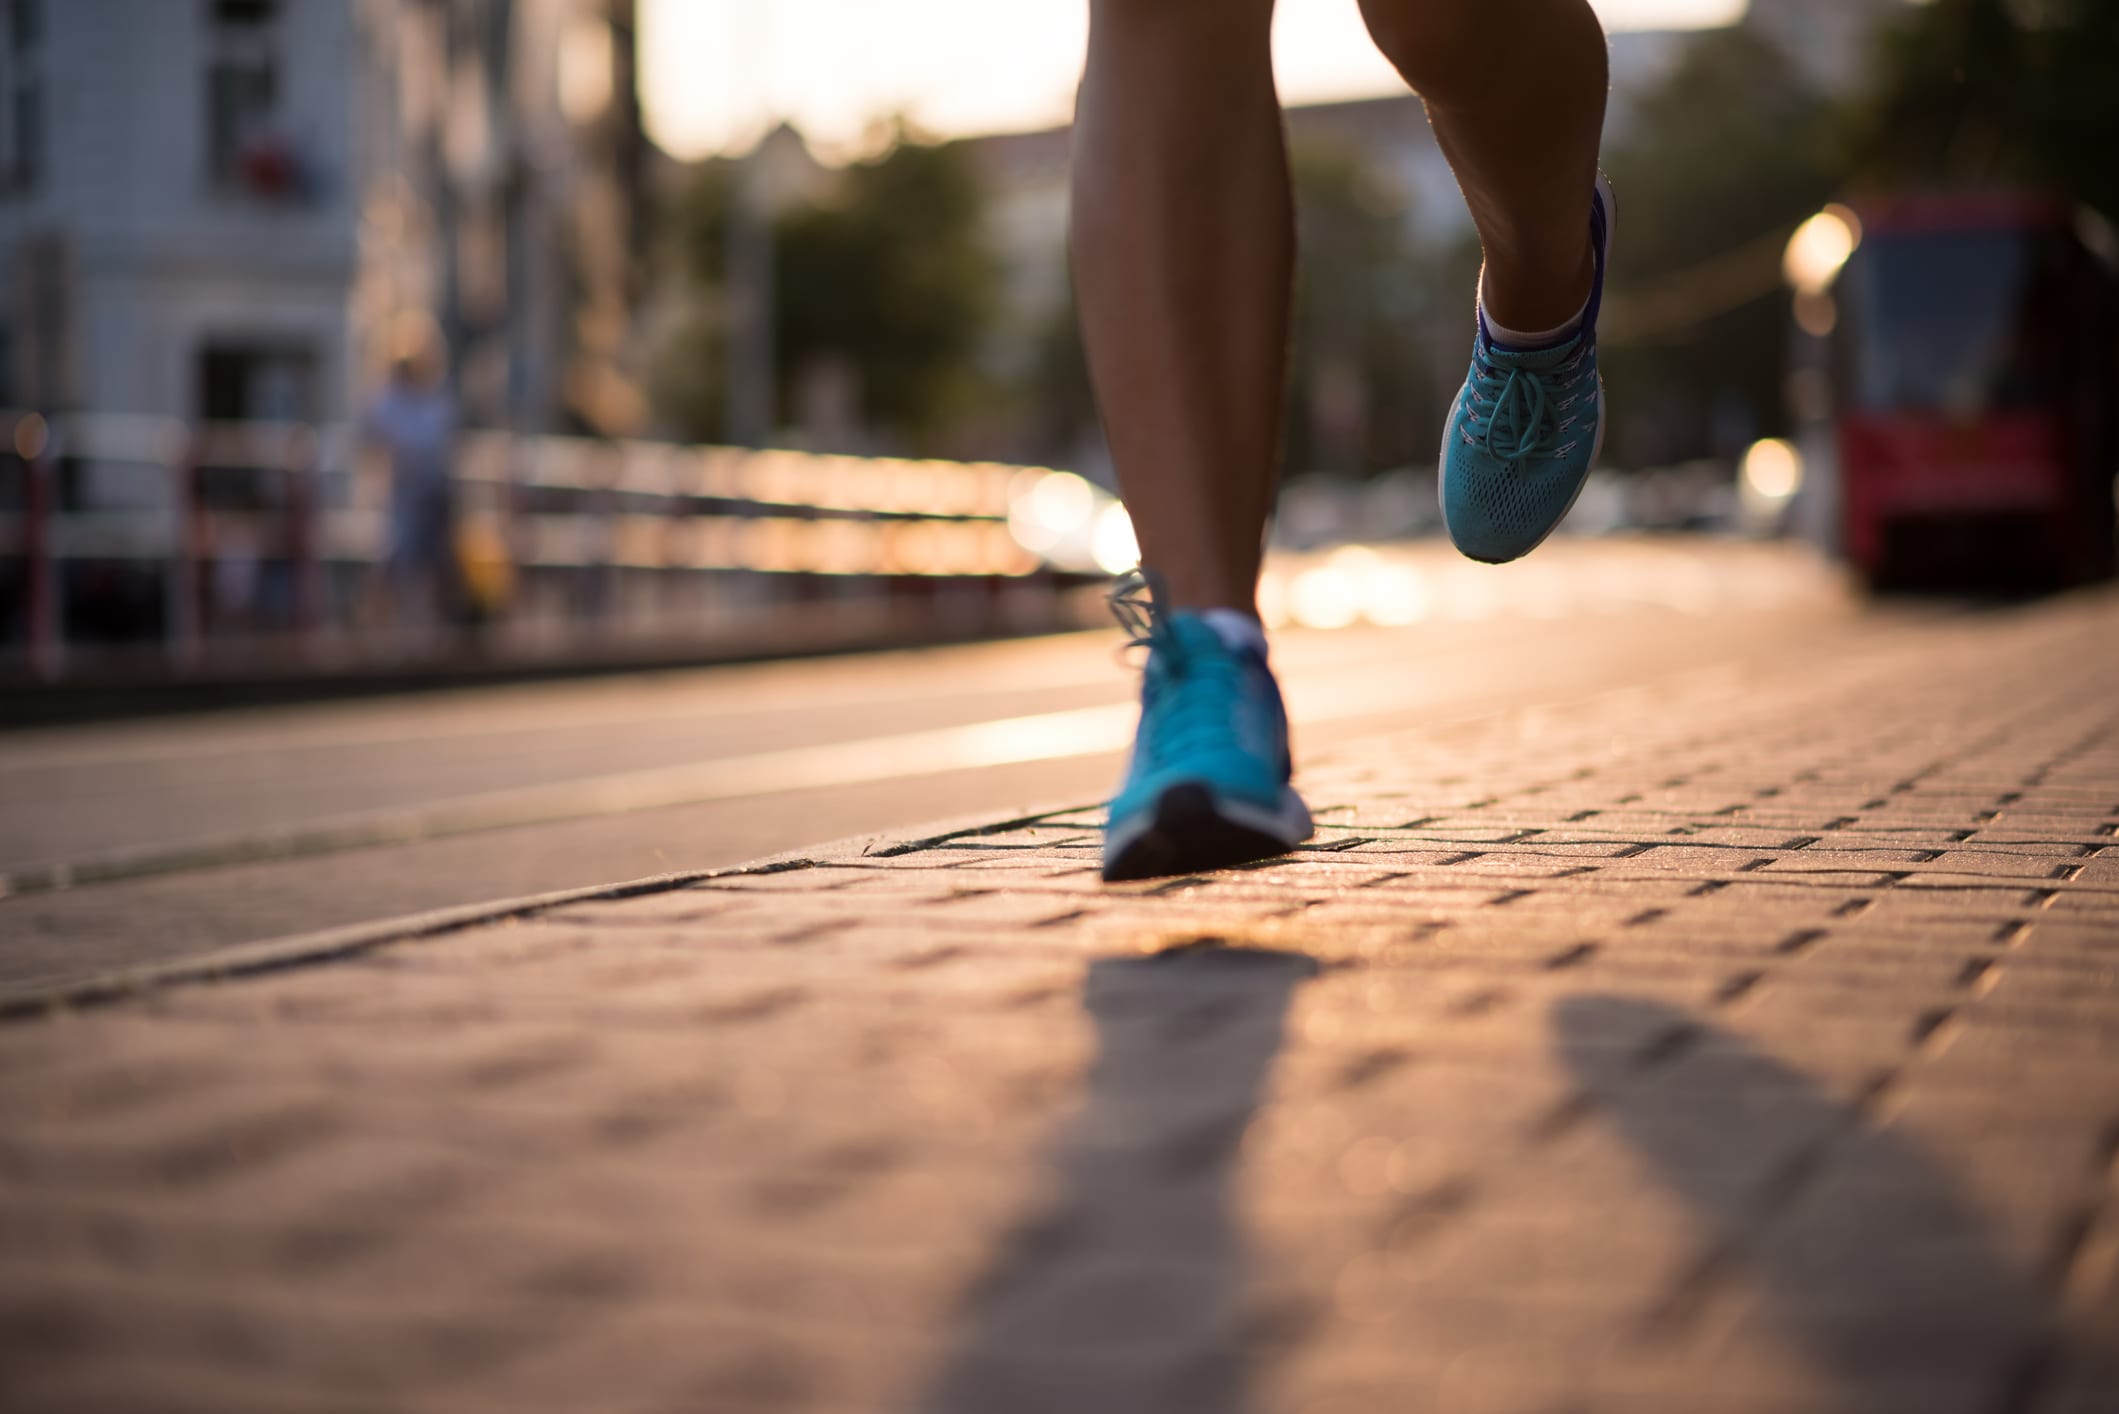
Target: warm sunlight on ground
714, 71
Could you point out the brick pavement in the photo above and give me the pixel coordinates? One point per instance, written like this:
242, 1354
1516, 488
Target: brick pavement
1743, 1043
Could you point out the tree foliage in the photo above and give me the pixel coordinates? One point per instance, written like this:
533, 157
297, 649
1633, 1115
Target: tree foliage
1733, 147
889, 275
1725, 155
1995, 92
1362, 395
895, 278
1361, 398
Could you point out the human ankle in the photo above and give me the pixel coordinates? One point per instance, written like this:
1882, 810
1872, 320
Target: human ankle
1199, 590
1538, 303
1530, 340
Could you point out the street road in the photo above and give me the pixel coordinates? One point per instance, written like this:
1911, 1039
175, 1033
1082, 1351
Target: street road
147, 841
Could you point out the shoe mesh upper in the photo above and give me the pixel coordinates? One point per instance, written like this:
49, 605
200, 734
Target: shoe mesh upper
1524, 431
1209, 713
1497, 500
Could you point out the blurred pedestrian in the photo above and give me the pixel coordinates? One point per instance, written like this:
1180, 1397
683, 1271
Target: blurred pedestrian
1183, 246
414, 420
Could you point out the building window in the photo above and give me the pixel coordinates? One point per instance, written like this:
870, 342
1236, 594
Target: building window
242, 91
22, 97
266, 381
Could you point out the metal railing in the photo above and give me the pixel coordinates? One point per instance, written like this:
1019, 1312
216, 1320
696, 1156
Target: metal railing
197, 519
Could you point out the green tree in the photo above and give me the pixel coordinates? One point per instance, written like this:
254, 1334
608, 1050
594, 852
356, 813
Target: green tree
890, 275
1722, 159
895, 277
1361, 399
689, 367
1995, 92
1055, 396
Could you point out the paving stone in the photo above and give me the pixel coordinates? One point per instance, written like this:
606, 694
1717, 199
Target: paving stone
1747, 1045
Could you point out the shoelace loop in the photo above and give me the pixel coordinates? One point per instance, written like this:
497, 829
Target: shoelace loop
1136, 598
1514, 414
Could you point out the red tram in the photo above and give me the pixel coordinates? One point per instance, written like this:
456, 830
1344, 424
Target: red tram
1973, 366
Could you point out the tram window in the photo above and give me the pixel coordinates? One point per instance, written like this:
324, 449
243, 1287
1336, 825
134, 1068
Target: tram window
1960, 322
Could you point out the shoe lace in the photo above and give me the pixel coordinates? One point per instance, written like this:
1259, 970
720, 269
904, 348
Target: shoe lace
1197, 690
1515, 413
1136, 599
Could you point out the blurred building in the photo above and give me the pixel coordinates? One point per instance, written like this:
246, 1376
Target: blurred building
217, 208
177, 225
503, 191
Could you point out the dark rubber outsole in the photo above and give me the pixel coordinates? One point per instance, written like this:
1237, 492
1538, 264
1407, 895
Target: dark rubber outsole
1189, 835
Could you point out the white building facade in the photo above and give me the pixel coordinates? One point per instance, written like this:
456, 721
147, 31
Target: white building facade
216, 208
178, 230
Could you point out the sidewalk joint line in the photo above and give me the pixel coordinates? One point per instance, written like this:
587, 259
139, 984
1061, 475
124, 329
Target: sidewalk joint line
1737, 987
337, 944
1570, 957
1674, 1317
1569, 1113
1667, 1046
997, 827
1932, 1029
1796, 944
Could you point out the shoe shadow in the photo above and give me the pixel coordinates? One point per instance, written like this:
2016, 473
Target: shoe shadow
1120, 1296
1847, 1239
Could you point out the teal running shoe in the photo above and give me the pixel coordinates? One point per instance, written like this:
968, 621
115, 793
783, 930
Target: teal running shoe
1208, 785
1526, 429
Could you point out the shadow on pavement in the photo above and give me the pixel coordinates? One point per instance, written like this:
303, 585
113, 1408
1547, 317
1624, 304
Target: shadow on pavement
1844, 1237
1120, 1298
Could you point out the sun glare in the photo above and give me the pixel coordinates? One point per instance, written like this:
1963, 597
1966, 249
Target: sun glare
717, 73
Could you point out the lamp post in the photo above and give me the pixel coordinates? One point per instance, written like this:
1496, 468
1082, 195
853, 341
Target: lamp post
1816, 253
747, 419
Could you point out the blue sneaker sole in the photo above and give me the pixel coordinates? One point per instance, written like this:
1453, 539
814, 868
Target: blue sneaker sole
1192, 829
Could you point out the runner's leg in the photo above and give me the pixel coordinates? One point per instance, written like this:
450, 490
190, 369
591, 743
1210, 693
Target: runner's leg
1515, 90
1184, 256
1183, 251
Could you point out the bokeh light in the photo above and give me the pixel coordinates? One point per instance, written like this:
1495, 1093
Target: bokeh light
1328, 596
1820, 248
1115, 547
1773, 470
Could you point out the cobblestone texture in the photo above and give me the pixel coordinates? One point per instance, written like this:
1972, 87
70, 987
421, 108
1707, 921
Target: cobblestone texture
1744, 1044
